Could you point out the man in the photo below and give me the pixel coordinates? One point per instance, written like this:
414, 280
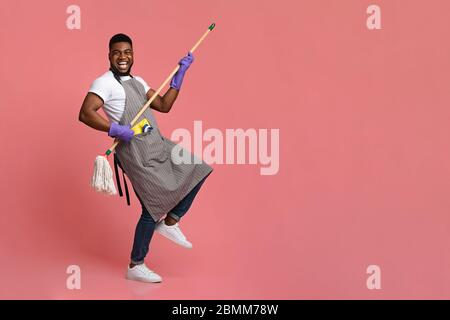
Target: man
165, 190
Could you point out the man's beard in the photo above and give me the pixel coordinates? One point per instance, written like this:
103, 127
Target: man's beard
118, 72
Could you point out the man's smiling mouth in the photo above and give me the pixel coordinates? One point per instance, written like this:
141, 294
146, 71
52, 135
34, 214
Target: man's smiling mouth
122, 65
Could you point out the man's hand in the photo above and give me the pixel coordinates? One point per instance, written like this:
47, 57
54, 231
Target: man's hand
123, 133
165, 103
184, 63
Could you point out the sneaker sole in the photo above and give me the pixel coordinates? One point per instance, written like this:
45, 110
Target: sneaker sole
174, 241
143, 280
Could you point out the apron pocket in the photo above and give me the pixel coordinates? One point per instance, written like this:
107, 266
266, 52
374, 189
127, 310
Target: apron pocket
156, 161
153, 150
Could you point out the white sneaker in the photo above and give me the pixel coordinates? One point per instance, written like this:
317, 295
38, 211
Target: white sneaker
173, 233
140, 272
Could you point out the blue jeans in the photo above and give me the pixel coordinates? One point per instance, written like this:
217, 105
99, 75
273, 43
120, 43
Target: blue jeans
146, 225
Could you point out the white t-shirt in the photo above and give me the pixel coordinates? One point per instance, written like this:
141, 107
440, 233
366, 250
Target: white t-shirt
113, 94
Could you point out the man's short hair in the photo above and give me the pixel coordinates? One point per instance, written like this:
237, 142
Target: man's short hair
120, 37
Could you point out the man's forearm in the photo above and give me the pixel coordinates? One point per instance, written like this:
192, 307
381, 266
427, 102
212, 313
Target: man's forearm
94, 120
169, 98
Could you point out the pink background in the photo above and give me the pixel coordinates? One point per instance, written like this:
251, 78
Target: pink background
364, 149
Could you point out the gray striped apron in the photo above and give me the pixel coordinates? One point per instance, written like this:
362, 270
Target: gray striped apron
159, 183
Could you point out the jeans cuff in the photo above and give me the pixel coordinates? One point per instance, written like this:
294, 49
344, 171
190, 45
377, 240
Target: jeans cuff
174, 216
137, 262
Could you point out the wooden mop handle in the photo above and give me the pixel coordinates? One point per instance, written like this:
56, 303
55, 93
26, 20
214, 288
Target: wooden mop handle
147, 104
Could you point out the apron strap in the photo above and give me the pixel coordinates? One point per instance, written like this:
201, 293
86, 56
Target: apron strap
117, 76
116, 170
126, 187
119, 187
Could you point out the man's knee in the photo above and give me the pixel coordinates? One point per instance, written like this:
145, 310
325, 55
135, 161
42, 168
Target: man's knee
146, 215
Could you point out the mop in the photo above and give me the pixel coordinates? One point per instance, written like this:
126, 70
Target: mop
102, 179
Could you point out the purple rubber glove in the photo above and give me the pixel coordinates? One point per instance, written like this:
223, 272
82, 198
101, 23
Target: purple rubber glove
123, 133
184, 63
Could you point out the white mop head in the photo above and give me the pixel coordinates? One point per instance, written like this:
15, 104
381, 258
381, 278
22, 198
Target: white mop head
102, 180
